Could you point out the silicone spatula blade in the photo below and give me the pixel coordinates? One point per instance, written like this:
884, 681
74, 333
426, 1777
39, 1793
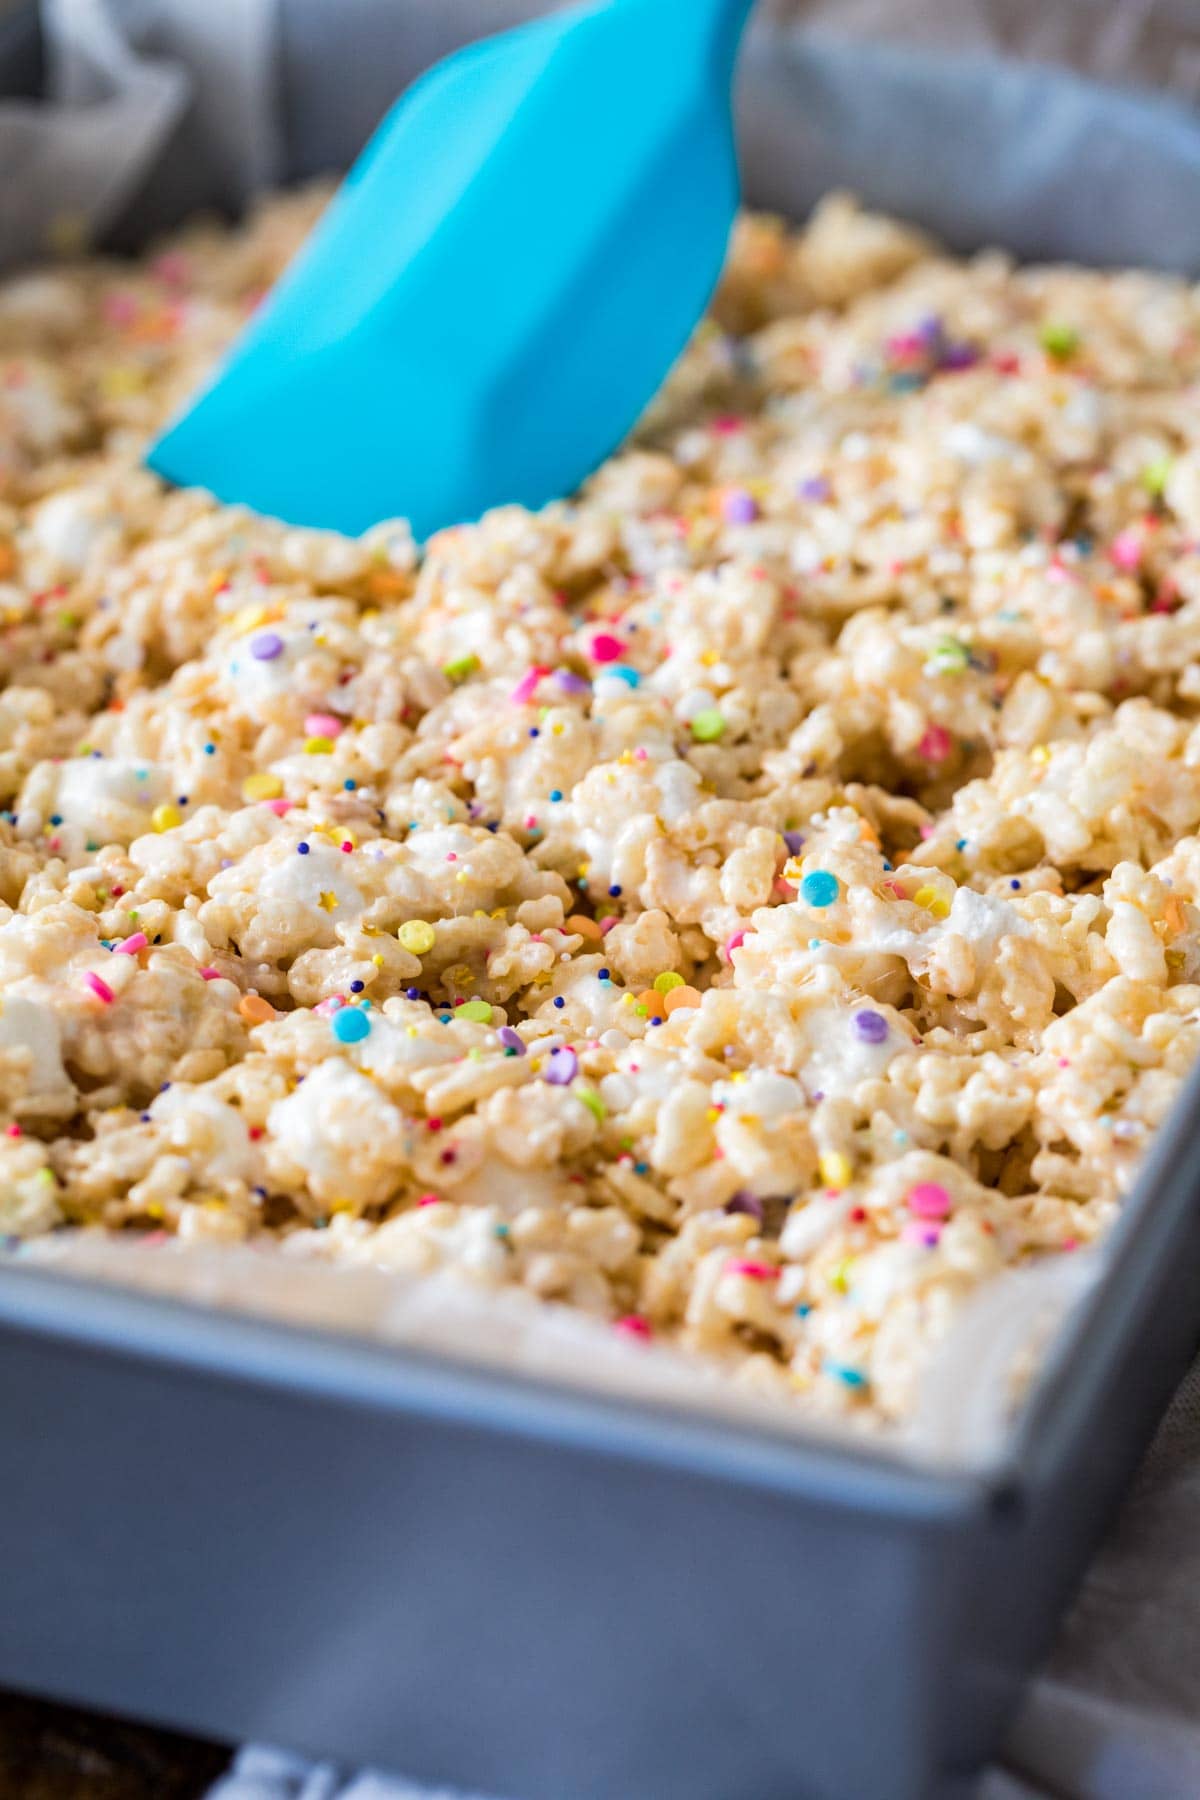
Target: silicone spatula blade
498, 289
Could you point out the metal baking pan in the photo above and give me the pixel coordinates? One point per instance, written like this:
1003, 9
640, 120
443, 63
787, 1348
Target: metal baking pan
252, 1530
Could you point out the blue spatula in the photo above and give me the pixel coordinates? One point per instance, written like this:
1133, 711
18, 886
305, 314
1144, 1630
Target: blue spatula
501, 285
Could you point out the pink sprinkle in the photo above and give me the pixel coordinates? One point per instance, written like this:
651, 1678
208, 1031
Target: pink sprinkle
914, 1232
606, 925
14, 1131
928, 1200
323, 725
733, 942
726, 424
927, 832
99, 987
936, 744
606, 648
754, 1271
171, 268
429, 1200
211, 974
119, 309
1126, 550
278, 807
633, 1326
527, 686
131, 945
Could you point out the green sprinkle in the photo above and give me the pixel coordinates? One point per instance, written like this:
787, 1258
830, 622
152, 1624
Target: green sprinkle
708, 725
460, 668
1156, 475
1058, 338
592, 1101
479, 1010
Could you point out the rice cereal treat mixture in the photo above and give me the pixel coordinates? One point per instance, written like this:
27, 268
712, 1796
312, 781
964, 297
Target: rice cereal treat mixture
754, 902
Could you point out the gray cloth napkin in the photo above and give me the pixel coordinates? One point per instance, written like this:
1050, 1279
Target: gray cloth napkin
159, 106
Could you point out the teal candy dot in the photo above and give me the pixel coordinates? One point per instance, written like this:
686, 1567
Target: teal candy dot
820, 888
350, 1025
624, 673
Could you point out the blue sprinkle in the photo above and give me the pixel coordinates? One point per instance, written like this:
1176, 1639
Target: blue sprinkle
559, 1001
556, 793
820, 888
350, 1025
301, 849
853, 1378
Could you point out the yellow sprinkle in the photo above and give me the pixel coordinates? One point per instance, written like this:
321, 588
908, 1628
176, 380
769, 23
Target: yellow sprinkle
1039, 754
417, 935
247, 618
262, 787
462, 876
666, 981
166, 817
933, 901
377, 960
122, 379
840, 1277
328, 900
318, 746
835, 1169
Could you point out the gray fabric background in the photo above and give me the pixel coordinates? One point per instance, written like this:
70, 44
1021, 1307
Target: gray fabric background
158, 106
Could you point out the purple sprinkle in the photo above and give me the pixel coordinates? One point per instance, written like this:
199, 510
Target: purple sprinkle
739, 508
958, 356
572, 683
562, 1067
267, 647
793, 840
871, 1027
814, 488
746, 1202
512, 1040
